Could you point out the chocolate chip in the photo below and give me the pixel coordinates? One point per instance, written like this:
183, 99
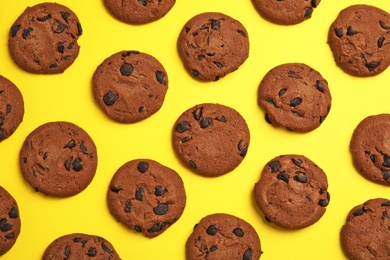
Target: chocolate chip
83, 148
80, 240
15, 29
160, 209
238, 232
242, 33
4, 225
182, 127
283, 176
126, 69
384, 26
77, 165
53, 66
10, 236
186, 139
65, 16
115, 189
385, 215
13, 213
139, 193
79, 29
59, 27
339, 32
160, 77
386, 160
44, 18
301, 177
213, 248
138, 229
197, 113
386, 204
212, 230
67, 251
386, 174
297, 162
192, 164
106, 248
243, 148
92, 251
295, 113
314, 3
282, 91
143, 2
295, 102
109, 99
205, 122
128, 206
215, 24
155, 228
308, 12
60, 47
27, 33
218, 64
221, 119
323, 203
319, 86
351, 31
160, 190
195, 73
142, 167
372, 65
68, 163
358, 212
380, 42
274, 165
247, 255
70, 145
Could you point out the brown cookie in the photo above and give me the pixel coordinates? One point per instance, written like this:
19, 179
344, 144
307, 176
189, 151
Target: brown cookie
292, 192
11, 108
80, 246
212, 45
211, 139
139, 11
286, 12
223, 236
130, 86
365, 235
370, 150
294, 96
359, 40
58, 159
44, 38
146, 196
10, 223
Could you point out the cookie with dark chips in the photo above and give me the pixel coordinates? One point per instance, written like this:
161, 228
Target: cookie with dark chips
139, 11
211, 139
223, 236
146, 196
292, 192
130, 86
79, 246
286, 12
212, 45
43, 39
11, 108
359, 40
58, 159
295, 96
370, 150
10, 223
365, 235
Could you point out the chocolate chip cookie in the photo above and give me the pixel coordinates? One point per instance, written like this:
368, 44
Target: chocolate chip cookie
130, 86
43, 39
223, 236
292, 192
11, 108
295, 96
146, 196
211, 139
58, 159
359, 40
212, 45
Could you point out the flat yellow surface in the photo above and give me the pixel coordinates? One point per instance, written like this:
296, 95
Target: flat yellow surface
68, 97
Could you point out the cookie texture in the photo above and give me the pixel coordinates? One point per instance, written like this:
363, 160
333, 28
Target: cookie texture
10, 223
43, 39
212, 45
146, 196
58, 159
11, 108
295, 96
292, 192
79, 246
130, 86
211, 139
139, 11
365, 235
369, 148
359, 42
286, 12
223, 236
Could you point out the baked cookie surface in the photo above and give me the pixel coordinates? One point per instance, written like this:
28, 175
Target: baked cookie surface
212, 45
44, 37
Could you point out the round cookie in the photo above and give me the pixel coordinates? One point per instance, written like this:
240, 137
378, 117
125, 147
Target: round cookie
10, 223
212, 45
58, 159
292, 192
130, 86
146, 196
294, 96
11, 108
223, 236
139, 11
80, 246
365, 235
370, 150
286, 12
211, 139
358, 40
43, 39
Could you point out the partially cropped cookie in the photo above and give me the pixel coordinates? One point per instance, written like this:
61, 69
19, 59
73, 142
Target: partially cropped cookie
370, 150
286, 12
146, 196
130, 86
58, 159
139, 11
359, 40
10, 223
365, 235
81, 247
11, 108
211, 139
44, 37
295, 96
223, 236
292, 192
212, 45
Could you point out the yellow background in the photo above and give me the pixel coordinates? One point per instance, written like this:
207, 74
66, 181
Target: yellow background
68, 97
